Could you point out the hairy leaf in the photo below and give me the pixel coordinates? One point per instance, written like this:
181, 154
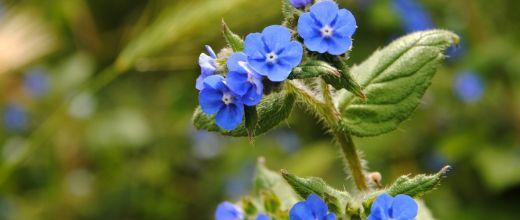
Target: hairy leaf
415, 186
336, 200
418, 185
272, 110
394, 80
233, 40
313, 68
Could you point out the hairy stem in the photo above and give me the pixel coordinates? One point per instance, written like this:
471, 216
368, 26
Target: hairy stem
352, 158
332, 118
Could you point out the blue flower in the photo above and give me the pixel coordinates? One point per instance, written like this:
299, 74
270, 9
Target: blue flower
217, 98
413, 15
386, 207
207, 65
469, 87
228, 211
300, 3
15, 117
272, 53
312, 208
243, 80
263, 217
327, 29
36, 82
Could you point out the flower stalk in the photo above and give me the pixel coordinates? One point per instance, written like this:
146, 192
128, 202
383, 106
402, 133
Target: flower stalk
332, 118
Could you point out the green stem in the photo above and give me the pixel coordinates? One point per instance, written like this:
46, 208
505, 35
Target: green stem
352, 158
332, 118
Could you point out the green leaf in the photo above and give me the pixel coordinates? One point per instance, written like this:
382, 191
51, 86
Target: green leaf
335, 199
344, 80
394, 80
272, 110
233, 40
172, 23
418, 185
415, 186
314, 68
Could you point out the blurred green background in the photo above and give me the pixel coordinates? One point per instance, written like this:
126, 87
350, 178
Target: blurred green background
122, 146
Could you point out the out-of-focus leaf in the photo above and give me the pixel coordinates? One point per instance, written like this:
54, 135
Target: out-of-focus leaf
266, 179
171, 24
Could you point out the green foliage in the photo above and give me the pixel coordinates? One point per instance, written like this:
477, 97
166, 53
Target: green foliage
345, 79
394, 80
418, 185
314, 68
290, 14
234, 41
272, 110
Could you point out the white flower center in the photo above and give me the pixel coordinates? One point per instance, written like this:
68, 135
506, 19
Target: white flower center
227, 98
327, 31
271, 57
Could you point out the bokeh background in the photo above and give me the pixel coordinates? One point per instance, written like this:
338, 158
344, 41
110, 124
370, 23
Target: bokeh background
97, 97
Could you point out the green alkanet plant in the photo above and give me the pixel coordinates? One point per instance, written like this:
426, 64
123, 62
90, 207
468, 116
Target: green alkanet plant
250, 90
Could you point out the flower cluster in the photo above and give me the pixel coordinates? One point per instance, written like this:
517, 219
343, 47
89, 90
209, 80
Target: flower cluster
272, 55
387, 207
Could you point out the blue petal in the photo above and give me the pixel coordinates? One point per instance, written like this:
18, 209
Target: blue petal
210, 100
278, 72
215, 82
307, 26
339, 45
325, 12
383, 201
345, 23
229, 117
206, 62
330, 216
237, 82
232, 62
300, 3
318, 206
262, 217
300, 211
228, 211
253, 96
260, 66
378, 214
404, 208
276, 37
292, 54
316, 44
211, 52
200, 82
254, 47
